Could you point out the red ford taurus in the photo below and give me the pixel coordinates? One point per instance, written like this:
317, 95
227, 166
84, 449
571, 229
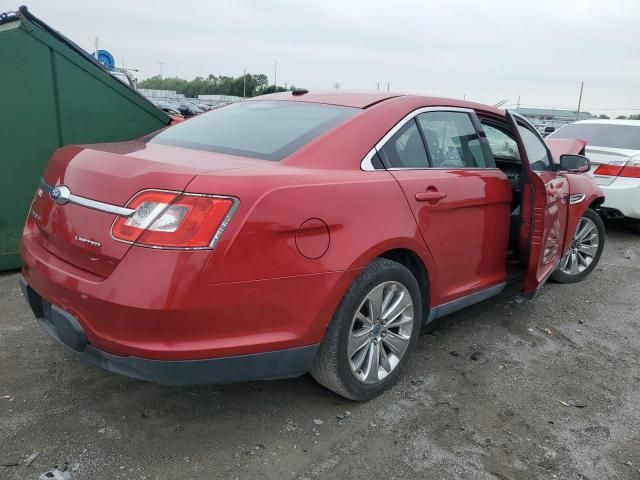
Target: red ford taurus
300, 232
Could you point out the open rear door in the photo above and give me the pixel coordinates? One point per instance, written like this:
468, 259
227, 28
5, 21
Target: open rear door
544, 207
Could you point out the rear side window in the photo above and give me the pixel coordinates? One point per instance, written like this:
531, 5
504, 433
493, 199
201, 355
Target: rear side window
268, 130
405, 149
452, 140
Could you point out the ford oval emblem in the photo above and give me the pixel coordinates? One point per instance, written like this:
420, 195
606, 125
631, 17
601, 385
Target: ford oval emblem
60, 194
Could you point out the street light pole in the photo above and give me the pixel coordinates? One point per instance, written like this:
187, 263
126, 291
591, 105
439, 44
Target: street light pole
275, 74
579, 102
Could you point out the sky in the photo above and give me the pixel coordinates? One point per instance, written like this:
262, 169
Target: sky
482, 50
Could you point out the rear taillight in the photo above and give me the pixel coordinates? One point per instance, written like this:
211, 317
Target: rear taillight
609, 169
631, 169
619, 169
174, 220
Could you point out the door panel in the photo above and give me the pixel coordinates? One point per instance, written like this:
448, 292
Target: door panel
549, 226
463, 215
544, 207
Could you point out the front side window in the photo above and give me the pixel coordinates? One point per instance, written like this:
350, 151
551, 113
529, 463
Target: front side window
452, 140
268, 130
405, 149
502, 145
535, 148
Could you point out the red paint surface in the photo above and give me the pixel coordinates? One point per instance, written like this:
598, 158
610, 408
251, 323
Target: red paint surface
313, 238
562, 146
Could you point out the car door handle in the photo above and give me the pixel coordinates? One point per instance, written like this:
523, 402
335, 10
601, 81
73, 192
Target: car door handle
430, 196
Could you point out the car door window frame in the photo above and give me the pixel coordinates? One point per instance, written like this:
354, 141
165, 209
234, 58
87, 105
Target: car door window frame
523, 122
486, 152
367, 162
504, 128
386, 164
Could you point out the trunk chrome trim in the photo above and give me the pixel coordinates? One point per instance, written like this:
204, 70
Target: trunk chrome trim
69, 197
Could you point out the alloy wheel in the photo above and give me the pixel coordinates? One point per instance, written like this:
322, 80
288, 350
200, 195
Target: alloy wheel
380, 332
583, 250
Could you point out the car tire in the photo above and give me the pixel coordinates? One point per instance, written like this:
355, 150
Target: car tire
563, 274
336, 363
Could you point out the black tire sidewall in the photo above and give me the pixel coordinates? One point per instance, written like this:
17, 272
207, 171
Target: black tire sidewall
378, 272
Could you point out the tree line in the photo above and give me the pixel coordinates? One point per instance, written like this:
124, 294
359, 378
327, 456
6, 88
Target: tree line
635, 116
249, 85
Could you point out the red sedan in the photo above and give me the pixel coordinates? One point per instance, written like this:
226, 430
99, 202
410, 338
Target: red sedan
300, 232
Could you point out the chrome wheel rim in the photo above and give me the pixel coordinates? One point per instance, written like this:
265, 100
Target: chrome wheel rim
583, 249
380, 332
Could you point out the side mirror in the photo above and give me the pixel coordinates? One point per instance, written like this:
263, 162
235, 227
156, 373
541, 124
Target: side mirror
575, 163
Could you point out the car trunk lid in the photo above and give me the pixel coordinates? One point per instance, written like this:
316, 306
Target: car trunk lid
111, 174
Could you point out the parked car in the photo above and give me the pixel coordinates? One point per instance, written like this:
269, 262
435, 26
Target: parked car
299, 232
188, 109
213, 106
172, 112
613, 146
548, 131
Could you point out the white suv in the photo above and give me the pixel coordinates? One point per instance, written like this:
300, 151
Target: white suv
613, 146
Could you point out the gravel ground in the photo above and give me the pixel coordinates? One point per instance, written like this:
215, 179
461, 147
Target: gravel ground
545, 389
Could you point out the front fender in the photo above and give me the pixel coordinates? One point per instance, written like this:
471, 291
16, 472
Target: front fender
580, 184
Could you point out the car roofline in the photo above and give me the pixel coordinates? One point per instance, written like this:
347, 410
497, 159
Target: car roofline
370, 99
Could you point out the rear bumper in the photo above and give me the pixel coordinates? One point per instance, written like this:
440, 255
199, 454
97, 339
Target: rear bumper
154, 307
65, 328
623, 194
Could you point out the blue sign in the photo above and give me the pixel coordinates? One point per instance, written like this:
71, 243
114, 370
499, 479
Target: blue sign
106, 59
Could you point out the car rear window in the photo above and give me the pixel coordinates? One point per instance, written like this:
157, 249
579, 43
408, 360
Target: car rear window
602, 135
268, 130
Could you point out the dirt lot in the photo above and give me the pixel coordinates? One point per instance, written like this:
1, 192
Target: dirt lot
545, 389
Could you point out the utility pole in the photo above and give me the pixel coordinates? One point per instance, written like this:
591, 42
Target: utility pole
518, 107
275, 73
388, 86
579, 101
161, 63
244, 83
378, 86
336, 85
95, 48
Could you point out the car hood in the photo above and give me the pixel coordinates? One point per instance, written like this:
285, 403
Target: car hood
563, 146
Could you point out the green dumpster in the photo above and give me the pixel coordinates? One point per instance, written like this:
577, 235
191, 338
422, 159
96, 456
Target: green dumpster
53, 93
